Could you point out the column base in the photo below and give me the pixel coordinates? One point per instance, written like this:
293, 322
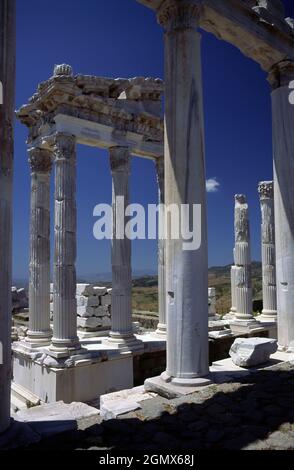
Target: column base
161, 330
170, 388
127, 343
245, 325
268, 315
38, 339
63, 348
229, 316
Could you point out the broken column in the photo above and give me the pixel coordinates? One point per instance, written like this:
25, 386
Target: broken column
39, 333
244, 308
283, 143
7, 79
65, 339
161, 327
266, 194
121, 333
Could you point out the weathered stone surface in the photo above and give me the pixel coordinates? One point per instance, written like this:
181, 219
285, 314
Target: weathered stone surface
249, 352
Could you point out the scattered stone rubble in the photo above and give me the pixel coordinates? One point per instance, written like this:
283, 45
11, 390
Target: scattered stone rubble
249, 352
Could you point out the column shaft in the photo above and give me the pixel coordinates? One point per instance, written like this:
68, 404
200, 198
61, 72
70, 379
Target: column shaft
39, 286
7, 78
161, 327
186, 269
283, 144
121, 298
233, 290
242, 260
64, 295
266, 195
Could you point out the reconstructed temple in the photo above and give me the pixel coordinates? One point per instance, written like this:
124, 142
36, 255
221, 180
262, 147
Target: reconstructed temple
124, 116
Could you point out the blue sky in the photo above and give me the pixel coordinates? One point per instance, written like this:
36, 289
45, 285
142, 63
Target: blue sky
120, 38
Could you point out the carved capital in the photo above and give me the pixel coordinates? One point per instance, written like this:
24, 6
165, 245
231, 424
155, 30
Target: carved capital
119, 159
240, 198
64, 146
40, 160
266, 190
281, 74
178, 14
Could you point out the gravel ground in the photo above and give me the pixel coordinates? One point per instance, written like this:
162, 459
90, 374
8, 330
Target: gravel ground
256, 412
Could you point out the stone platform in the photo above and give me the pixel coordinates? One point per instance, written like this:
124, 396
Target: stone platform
97, 369
254, 410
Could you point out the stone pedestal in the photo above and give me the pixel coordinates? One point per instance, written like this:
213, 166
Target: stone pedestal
7, 77
65, 339
161, 327
266, 193
39, 333
121, 333
186, 265
283, 142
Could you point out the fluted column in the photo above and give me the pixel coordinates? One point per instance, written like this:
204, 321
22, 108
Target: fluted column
161, 327
283, 144
64, 296
242, 260
233, 290
7, 78
121, 332
266, 194
186, 267
39, 333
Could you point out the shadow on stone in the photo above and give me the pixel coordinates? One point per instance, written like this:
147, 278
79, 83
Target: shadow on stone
255, 413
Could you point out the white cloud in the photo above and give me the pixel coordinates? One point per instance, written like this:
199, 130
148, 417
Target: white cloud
212, 185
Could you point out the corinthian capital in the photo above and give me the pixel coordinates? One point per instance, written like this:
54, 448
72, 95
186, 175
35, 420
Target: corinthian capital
179, 14
119, 159
281, 74
40, 160
266, 190
64, 146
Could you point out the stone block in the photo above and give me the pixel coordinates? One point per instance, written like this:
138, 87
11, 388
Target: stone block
91, 322
86, 311
81, 300
98, 290
106, 299
93, 301
106, 321
84, 289
249, 352
101, 311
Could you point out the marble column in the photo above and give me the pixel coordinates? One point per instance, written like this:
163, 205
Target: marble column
7, 78
161, 327
242, 260
233, 290
186, 268
266, 194
39, 333
283, 144
65, 339
121, 333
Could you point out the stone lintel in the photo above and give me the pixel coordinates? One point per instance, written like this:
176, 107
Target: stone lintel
98, 135
267, 39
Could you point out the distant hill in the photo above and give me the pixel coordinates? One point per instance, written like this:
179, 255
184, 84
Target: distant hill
145, 288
